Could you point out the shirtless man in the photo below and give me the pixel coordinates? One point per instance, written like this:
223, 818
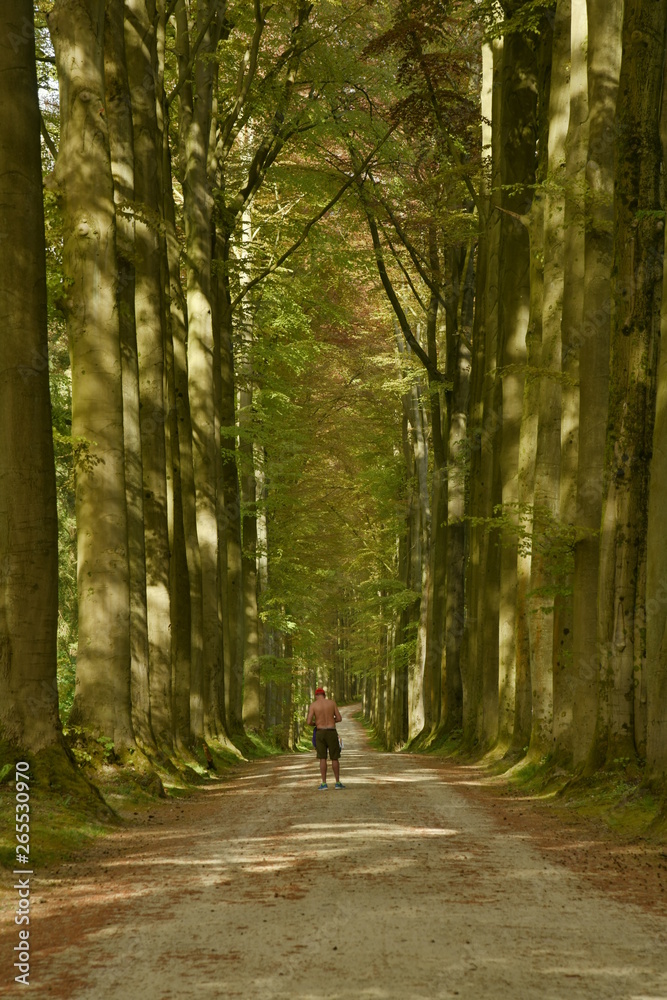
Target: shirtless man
324, 714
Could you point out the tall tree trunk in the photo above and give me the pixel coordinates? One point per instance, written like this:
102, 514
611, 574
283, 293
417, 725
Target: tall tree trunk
179, 575
141, 55
480, 650
437, 566
604, 63
458, 364
28, 518
638, 244
179, 330
571, 333
251, 678
517, 169
84, 180
229, 513
173, 320
119, 115
546, 296
656, 543
203, 348
420, 521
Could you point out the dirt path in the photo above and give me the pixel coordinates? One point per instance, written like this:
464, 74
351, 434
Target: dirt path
400, 887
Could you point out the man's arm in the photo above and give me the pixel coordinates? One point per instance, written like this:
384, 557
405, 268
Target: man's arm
337, 716
311, 714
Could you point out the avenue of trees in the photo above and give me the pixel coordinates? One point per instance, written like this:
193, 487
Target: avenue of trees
331, 352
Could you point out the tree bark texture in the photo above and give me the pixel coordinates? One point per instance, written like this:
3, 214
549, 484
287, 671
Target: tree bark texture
28, 518
121, 141
638, 242
571, 334
141, 54
517, 175
195, 125
84, 182
604, 63
656, 543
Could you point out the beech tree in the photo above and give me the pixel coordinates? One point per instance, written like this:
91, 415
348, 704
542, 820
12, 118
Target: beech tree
28, 520
84, 184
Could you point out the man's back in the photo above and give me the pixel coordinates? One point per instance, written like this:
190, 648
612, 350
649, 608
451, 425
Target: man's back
325, 712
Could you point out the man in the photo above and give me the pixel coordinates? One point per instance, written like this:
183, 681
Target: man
324, 713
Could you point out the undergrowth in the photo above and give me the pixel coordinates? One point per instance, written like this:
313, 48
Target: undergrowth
616, 796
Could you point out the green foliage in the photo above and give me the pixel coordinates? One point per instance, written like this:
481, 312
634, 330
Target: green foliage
502, 17
88, 749
536, 530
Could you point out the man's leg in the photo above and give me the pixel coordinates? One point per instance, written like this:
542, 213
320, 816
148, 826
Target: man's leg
323, 769
336, 769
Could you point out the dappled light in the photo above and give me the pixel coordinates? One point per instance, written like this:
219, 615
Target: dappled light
333, 465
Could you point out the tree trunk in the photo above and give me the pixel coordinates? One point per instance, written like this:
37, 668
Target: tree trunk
480, 651
420, 518
571, 327
84, 180
251, 678
141, 54
517, 170
230, 508
604, 62
546, 307
28, 519
437, 566
119, 115
189, 584
203, 349
251, 690
656, 544
638, 243
458, 364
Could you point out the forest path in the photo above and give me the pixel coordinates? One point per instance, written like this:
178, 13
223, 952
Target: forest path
397, 888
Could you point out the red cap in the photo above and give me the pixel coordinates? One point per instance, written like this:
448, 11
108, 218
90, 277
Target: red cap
320, 691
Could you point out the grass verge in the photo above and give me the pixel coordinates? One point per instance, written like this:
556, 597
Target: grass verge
615, 797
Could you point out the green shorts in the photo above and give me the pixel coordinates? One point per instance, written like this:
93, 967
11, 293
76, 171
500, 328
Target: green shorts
327, 739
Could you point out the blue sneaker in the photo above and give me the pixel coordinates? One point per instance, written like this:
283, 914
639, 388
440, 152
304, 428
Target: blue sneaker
339, 785
323, 786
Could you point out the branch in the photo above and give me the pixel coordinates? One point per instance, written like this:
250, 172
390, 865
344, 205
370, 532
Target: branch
523, 219
415, 256
212, 14
312, 222
270, 146
246, 75
50, 145
434, 374
403, 268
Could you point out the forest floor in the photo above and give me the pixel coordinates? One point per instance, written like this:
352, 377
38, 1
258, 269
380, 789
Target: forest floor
416, 882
